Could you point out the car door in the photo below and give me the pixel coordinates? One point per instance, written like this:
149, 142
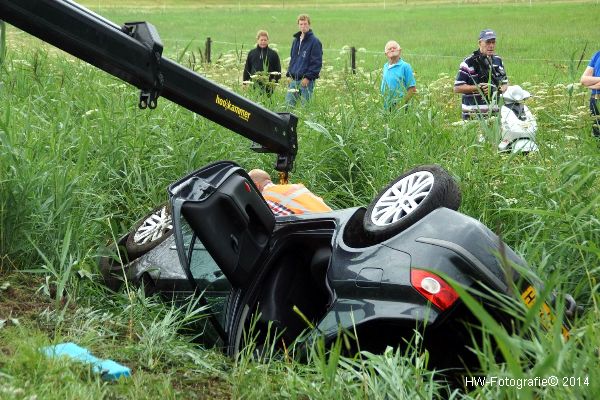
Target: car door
226, 213
224, 208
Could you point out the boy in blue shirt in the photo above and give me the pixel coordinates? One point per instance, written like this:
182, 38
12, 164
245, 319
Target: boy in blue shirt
398, 84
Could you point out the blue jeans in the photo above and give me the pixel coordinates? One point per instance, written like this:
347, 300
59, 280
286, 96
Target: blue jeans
296, 91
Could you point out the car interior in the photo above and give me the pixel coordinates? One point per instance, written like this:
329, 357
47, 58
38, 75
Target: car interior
295, 292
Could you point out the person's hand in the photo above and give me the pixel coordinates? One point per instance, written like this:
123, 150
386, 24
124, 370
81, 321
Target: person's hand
484, 87
305, 82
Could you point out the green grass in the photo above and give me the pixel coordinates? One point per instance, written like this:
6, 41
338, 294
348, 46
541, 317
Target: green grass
541, 42
80, 163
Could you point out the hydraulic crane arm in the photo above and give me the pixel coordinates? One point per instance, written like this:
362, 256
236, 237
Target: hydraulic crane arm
133, 53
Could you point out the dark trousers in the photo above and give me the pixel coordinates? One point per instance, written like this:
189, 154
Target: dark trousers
596, 117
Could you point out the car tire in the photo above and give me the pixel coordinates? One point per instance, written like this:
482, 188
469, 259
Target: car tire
409, 198
150, 231
111, 265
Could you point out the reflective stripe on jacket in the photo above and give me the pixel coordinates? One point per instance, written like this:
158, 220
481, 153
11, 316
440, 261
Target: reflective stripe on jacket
295, 197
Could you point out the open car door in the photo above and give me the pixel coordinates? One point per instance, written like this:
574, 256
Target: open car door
227, 214
218, 210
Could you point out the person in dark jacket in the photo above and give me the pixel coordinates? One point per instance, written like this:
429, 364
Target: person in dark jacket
481, 78
305, 62
263, 67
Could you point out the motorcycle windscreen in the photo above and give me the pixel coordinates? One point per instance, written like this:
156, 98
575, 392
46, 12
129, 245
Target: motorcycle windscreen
229, 216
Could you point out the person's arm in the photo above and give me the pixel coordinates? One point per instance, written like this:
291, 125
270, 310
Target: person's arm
466, 88
462, 77
411, 84
246, 76
409, 94
315, 63
383, 85
291, 59
589, 80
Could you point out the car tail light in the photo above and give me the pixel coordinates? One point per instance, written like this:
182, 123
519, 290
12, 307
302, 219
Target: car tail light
433, 288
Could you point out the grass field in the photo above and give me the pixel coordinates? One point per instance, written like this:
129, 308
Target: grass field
80, 163
542, 42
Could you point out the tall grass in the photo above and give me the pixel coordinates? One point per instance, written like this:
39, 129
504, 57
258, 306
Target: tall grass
79, 162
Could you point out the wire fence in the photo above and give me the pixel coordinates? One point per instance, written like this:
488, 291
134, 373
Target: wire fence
346, 49
353, 50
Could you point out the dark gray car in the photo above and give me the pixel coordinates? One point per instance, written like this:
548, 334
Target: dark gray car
381, 271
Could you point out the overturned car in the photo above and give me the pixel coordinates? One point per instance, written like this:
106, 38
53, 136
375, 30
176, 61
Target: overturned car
380, 272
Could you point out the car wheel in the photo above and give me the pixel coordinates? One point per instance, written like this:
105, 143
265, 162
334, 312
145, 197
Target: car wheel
409, 198
112, 263
150, 231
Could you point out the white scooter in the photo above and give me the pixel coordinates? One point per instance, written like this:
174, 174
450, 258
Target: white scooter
518, 125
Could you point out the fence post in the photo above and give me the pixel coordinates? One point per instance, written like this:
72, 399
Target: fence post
207, 49
353, 59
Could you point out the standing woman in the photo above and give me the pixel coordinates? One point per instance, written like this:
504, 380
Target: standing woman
591, 79
263, 65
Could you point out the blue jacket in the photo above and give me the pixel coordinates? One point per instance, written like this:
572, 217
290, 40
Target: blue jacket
306, 57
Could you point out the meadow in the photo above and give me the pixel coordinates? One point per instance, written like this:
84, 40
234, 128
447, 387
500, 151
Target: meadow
80, 163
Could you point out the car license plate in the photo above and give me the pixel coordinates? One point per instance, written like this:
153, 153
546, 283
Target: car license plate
547, 317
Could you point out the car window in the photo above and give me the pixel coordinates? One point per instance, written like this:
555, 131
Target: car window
208, 276
204, 269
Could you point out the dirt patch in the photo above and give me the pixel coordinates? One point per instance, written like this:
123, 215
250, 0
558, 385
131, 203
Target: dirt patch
201, 387
18, 297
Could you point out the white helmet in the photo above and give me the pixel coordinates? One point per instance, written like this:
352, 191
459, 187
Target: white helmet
515, 94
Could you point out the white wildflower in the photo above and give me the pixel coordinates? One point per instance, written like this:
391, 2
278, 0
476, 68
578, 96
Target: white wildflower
90, 112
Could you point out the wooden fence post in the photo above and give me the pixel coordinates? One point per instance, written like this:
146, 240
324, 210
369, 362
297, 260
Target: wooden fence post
353, 59
207, 49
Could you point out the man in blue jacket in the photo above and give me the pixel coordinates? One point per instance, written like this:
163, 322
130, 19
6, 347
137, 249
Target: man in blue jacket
305, 62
